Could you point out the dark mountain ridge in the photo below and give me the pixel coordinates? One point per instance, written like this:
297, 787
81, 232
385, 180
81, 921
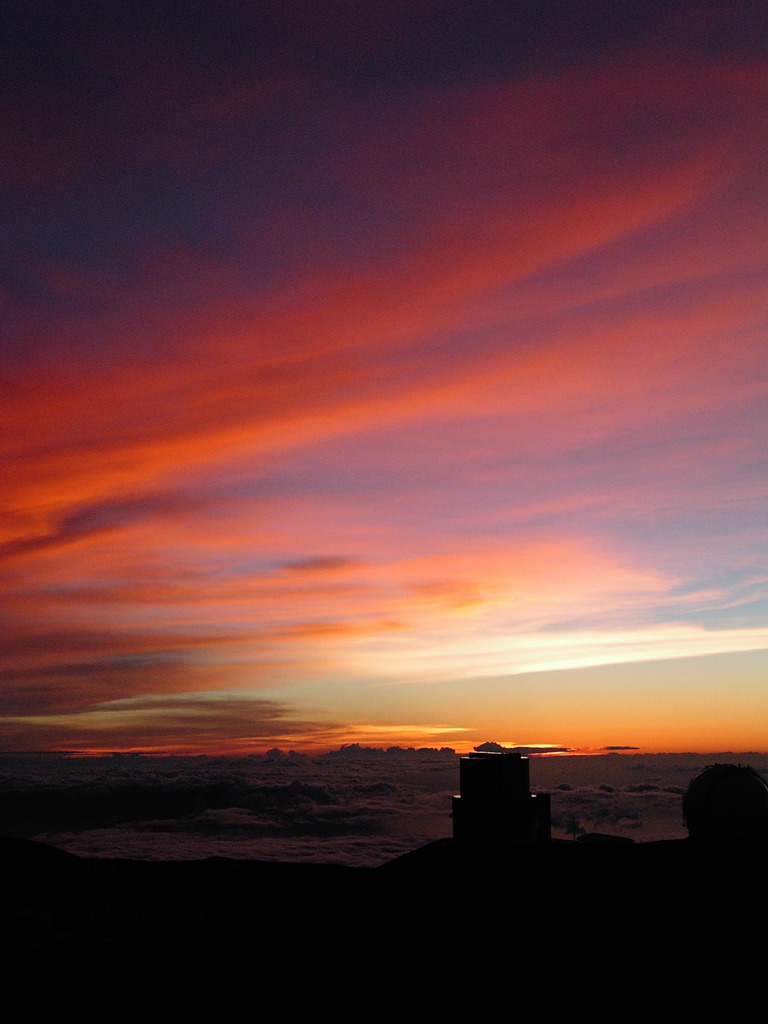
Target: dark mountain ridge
571, 904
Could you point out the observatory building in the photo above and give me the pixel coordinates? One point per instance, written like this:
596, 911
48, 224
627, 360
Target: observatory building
496, 807
726, 800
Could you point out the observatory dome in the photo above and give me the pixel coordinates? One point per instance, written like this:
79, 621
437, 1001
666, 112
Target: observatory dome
726, 800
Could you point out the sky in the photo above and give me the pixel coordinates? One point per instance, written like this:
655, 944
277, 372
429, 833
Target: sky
389, 373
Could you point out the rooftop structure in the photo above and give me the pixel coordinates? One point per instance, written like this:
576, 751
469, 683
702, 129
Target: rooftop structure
495, 806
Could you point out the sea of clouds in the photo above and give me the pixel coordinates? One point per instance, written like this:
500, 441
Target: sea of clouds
355, 806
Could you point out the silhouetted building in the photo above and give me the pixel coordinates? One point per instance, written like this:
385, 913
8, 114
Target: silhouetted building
495, 806
726, 800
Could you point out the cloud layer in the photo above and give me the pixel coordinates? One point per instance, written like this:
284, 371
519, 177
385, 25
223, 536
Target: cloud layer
353, 807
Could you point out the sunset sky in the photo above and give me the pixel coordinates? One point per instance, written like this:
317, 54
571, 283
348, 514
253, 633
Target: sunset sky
383, 371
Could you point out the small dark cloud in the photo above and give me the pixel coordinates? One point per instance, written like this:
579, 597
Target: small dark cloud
323, 564
75, 670
109, 515
277, 754
492, 747
619, 748
353, 750
186, 722
88, 521
528, 751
